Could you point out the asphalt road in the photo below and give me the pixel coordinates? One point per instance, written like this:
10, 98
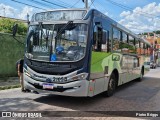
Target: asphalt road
133, 96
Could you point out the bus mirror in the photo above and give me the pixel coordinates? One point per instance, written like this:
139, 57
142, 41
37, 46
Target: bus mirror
104, 38
14, 29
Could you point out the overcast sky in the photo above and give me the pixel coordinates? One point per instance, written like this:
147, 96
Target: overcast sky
136, 15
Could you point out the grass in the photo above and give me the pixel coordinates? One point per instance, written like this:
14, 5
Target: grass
9, 87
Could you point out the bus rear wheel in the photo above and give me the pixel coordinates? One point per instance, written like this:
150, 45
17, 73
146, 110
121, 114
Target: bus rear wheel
141, 76
111, 85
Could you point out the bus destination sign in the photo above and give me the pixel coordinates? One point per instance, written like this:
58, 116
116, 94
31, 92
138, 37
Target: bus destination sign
60, 15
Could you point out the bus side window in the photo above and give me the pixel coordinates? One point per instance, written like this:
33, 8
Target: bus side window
105, 41
98, 32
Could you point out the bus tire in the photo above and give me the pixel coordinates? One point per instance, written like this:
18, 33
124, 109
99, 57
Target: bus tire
111, 85
141, 76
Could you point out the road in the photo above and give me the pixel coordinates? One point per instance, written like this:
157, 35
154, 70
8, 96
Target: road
133, 96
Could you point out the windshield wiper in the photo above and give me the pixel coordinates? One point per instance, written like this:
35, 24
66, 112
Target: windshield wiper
61, 30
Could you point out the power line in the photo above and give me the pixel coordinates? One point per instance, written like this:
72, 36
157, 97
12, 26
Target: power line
75, 4
65, 3
27, 4
92, 1
94, 6
104, 9
130, 9
128, 28
42, 4
54, 4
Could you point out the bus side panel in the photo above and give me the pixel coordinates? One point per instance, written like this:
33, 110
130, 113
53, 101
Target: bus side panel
102, 66
97, 70
124, 70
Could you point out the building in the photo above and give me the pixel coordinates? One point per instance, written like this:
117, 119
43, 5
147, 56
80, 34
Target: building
155, 42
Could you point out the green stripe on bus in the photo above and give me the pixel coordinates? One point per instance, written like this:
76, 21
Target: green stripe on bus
96, 61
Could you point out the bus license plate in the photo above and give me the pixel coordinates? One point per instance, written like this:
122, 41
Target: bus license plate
47, 86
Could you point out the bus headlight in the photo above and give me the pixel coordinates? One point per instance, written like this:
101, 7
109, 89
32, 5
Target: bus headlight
81, 76
27, 73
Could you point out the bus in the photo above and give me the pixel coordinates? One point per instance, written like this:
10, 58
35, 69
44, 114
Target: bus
81, 53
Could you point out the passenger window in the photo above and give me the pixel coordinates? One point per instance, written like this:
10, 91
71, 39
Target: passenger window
124, 44
131, 46
105, 41
131, 40
116, 39
101, 39
97, 40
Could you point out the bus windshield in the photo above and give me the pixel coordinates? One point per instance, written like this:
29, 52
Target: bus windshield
56, 42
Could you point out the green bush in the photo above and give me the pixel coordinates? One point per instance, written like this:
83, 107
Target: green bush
6, 25
10, 52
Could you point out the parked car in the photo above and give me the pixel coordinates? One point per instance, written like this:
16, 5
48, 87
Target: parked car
147, 65
153, 65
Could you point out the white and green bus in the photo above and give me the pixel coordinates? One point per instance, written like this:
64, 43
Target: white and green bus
81, 52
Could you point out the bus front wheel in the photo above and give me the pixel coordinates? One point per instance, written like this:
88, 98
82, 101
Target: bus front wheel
111, 85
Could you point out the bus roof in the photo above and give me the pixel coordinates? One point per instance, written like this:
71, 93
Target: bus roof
80, 14
118, 25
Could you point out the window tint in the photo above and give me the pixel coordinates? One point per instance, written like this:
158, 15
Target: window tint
106, 46
101, 40
116, 39
131, 47
116, 34
124, 37
131, 40
124, 45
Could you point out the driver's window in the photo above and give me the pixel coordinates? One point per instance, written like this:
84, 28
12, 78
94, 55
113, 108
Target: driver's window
98, 32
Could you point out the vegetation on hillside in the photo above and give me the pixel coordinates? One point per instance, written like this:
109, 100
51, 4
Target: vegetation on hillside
10, 52
6, 25
151, 33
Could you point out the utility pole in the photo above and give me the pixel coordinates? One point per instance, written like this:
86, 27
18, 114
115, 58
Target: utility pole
86, 3
28, 18
154, 39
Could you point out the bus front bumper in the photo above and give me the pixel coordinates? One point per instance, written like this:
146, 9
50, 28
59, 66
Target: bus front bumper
76, 88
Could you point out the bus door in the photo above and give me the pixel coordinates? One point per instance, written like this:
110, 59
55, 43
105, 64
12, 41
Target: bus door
131, 68
136, 67
124, 68
98, 54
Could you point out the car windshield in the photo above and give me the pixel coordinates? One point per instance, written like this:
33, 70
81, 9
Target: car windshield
59, 42
146, 63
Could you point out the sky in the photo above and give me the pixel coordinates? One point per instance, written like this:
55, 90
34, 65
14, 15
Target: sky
137, 15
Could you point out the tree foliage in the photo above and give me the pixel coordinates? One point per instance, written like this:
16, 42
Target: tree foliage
6, 25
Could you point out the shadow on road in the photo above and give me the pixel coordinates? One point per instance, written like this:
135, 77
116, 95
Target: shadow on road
133, 91
17, 104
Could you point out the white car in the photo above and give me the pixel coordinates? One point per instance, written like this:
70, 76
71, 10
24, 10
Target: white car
147, 65
153, 65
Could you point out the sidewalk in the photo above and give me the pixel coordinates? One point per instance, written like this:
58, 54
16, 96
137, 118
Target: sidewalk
8, 83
